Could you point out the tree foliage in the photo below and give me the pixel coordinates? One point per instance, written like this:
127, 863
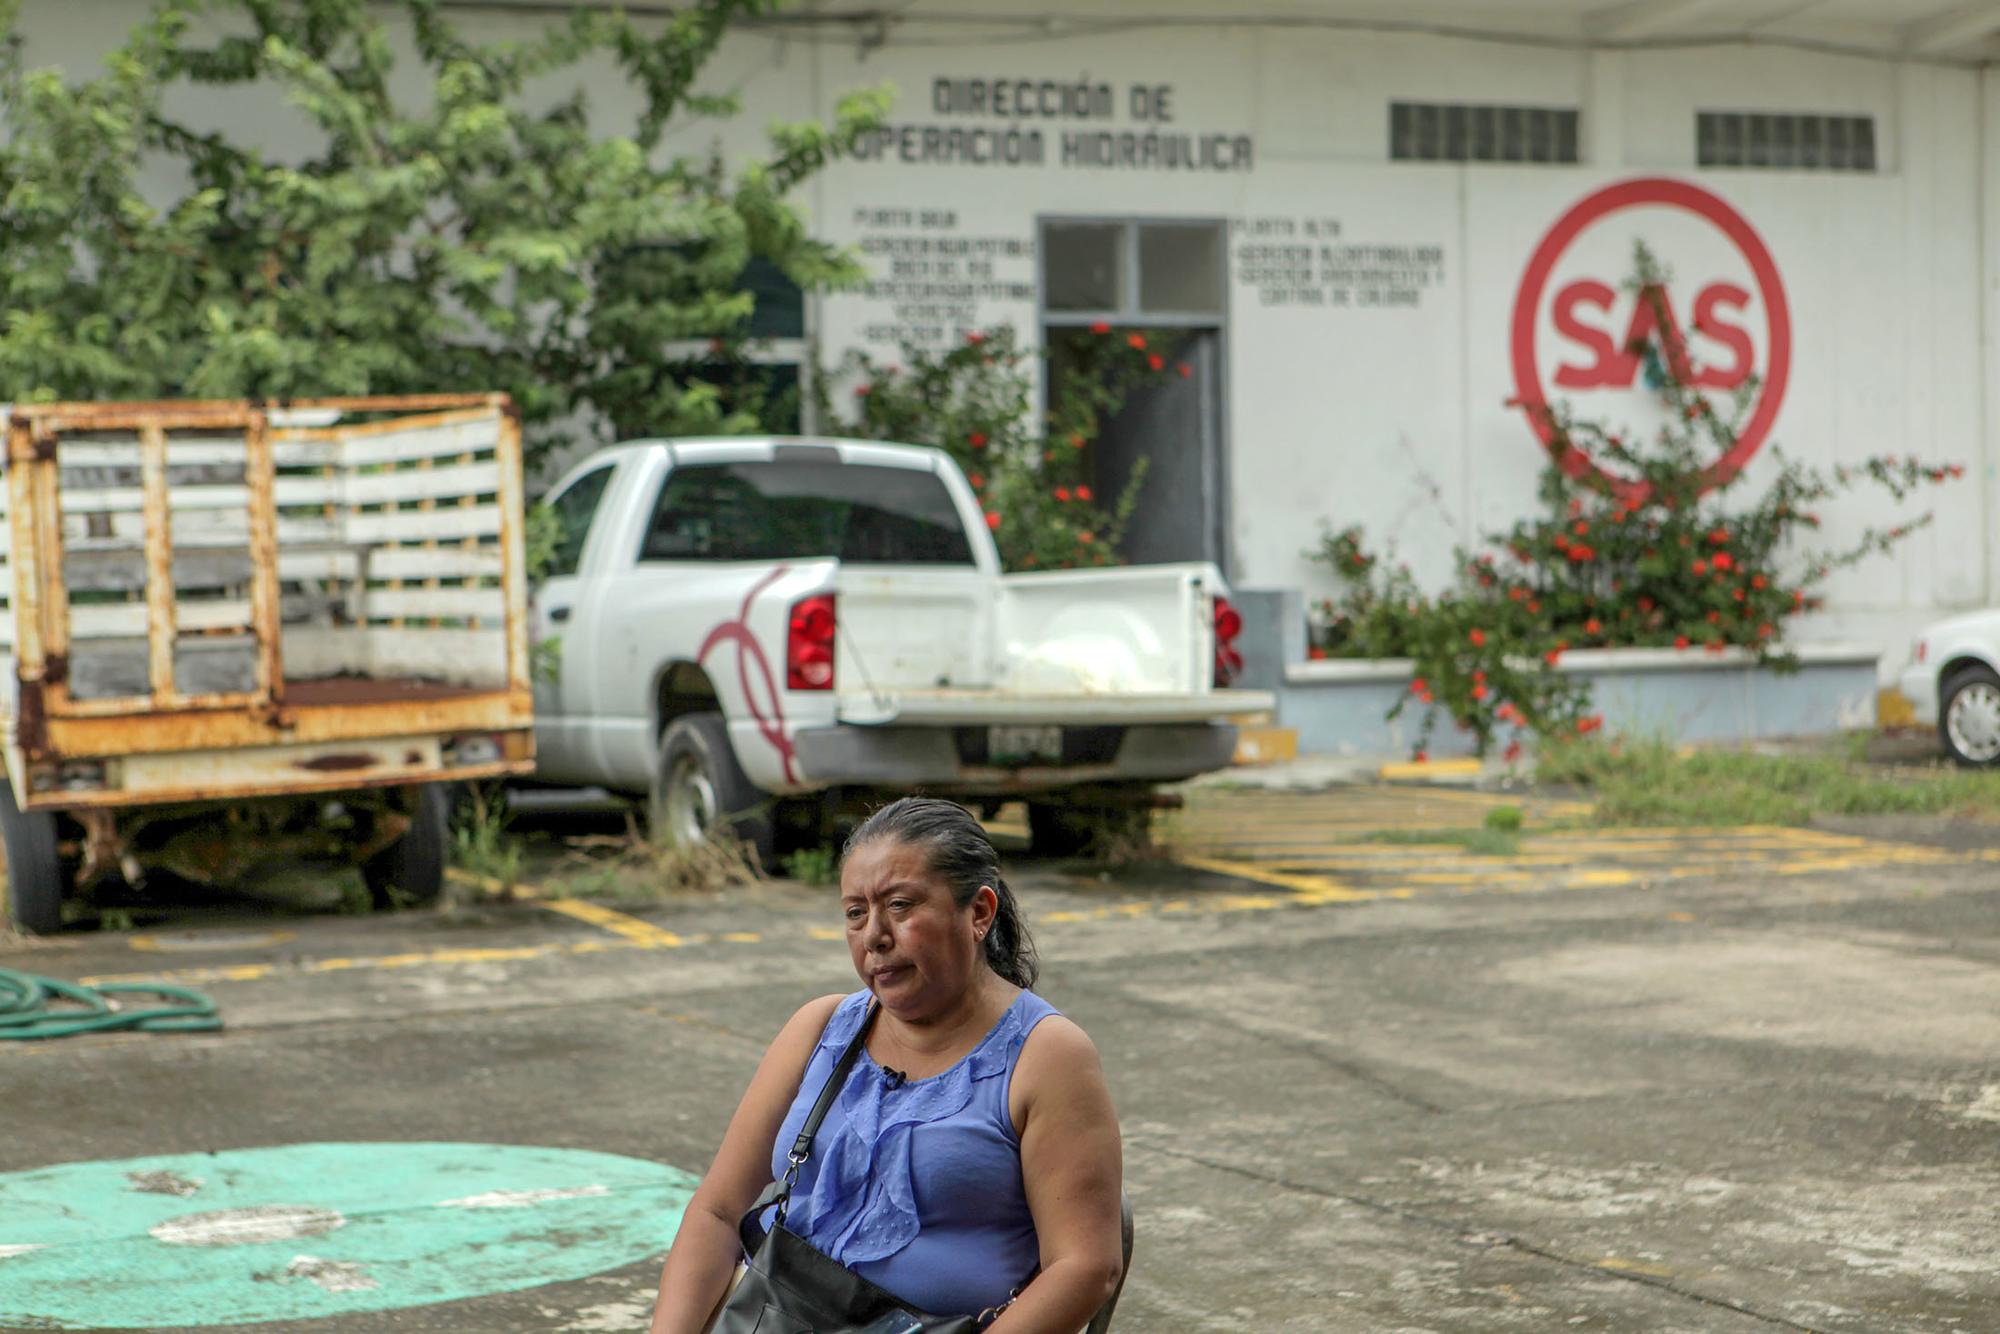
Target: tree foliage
451, 229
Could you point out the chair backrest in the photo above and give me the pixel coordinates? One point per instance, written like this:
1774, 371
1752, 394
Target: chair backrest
1102, 1320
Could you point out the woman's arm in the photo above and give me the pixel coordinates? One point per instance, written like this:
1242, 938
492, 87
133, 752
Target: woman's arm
706, 1248
1073, 1166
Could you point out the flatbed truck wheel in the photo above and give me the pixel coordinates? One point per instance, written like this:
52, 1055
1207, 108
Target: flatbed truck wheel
410, 871
34, 865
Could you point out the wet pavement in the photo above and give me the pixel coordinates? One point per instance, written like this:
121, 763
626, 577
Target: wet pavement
1376, 1070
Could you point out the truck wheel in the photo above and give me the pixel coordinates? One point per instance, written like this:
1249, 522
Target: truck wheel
699, 789
1071, 830
34, 865
1969, 722
410, 871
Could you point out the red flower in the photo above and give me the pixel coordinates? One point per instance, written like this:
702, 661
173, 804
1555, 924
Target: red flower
1187, 372
1715, 646
1580, 528
1585, 726
1719, 536
977, 440
1575, 508
1736, 593
1715, 618
1757, 581
1553, 656
1138, 341
1479, 678
1512, 753
975, 338
1156, 362
992, 519
1076, 441
1316, 653
1477, 636
1101, 327
1062, 493
1723, 560
1516, 593
1581, 554
1680, 641
1418, 686
977, 479
1700, 567
1534, 606
1422, 756
861, 390
1765, 631
1645, 604
1083, 493
1479, 692
1593, 626
1085, 539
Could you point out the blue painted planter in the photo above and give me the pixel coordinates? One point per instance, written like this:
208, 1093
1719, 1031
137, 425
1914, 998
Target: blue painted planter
1338, 705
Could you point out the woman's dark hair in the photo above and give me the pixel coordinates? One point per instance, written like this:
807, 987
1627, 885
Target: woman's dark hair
960, 852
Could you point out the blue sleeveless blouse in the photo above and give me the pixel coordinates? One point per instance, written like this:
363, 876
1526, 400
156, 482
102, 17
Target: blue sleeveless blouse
918, 1187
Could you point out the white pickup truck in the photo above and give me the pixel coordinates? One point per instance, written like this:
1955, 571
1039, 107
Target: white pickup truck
767, 634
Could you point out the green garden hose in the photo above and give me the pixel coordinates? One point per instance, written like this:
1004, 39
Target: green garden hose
25, 1011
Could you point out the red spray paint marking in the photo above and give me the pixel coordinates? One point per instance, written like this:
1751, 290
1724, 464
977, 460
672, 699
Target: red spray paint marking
749, 651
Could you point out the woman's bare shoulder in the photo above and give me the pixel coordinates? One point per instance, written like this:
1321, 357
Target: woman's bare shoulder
809, 1020
1058, 1050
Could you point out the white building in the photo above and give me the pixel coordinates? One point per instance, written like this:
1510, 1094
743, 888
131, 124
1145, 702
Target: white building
1373, 222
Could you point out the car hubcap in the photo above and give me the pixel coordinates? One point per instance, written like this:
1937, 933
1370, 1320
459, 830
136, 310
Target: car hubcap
1974, 722
690, 801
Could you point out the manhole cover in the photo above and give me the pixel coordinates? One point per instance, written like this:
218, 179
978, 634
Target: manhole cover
304, 1231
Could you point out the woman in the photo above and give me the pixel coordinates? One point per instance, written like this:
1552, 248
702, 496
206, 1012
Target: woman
972, 1151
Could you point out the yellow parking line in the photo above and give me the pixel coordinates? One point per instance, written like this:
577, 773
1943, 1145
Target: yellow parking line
623, 924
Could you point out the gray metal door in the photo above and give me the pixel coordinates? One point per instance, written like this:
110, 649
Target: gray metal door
1175, 424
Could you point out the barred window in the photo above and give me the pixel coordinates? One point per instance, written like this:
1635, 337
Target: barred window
1460, 132
1784, 140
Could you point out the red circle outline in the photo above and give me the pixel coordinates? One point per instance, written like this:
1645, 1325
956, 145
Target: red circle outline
1716, 211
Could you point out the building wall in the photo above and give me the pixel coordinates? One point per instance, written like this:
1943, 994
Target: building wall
1395, 415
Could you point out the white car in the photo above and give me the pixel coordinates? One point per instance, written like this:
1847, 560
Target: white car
1953, 680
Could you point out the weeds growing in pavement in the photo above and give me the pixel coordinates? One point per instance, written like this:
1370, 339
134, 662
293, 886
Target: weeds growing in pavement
635, 868
1480, 842
814, 866
1656, 782
481, 844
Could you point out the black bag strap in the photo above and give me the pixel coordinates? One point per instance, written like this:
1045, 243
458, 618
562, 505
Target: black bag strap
780, 1193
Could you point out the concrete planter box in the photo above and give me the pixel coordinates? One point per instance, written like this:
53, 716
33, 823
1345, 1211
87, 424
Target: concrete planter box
1338, 705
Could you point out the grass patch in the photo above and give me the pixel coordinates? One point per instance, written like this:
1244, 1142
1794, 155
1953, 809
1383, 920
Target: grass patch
1483, 842
814, 866
1654, 782
633, 868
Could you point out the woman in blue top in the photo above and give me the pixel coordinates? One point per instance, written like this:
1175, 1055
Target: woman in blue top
973, 1151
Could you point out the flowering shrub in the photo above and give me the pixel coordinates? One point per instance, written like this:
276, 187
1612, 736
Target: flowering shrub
1638, 544
1031, 470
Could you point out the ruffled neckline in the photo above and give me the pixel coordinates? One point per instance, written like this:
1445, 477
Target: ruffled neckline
863, 1204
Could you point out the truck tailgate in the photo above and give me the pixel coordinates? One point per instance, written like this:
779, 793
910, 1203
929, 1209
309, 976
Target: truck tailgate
946, 708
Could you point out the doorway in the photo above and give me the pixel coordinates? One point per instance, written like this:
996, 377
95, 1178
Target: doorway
1165, 279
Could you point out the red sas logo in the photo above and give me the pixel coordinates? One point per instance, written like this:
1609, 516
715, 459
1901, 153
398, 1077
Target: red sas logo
1725, 308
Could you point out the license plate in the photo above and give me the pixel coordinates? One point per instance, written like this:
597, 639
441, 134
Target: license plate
1024, 745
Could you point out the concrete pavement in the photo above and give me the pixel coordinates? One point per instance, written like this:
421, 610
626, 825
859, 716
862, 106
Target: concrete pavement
1748, 1082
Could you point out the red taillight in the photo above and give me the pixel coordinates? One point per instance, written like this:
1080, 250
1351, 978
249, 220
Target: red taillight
809, 644
1228, 625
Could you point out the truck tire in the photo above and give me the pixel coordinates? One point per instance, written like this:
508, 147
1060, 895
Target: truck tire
1070, 830
34, 865
699, 789
410, 871
1969, 717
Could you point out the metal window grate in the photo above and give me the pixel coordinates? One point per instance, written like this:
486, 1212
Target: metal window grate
1459, 132
1783, 140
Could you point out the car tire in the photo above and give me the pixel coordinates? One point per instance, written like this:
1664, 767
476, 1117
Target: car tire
410, 871
1969, 717
34, 865
699, 789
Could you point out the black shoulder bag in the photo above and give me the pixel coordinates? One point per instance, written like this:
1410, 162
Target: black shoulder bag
793, 1288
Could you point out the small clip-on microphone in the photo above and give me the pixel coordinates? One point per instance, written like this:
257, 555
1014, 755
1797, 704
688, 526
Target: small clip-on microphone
893, 1079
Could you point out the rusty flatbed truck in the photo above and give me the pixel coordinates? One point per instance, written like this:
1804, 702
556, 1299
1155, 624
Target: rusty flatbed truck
241, 637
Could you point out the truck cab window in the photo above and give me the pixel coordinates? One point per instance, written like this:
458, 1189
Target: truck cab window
574, 509
862, 514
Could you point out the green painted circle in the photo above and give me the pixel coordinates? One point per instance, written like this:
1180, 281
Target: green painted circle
306, 1230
